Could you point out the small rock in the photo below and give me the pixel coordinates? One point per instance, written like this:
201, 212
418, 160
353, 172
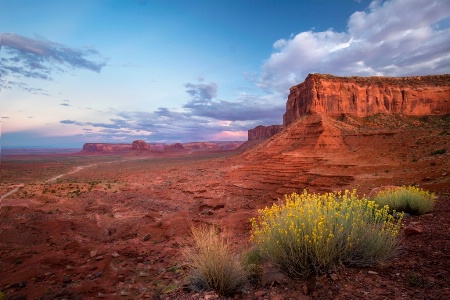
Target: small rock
413, 229
444, 174
334, 277
69, 267
211, 296
98, 274
372, 273
260, 293
67, 280
305, 289
93, 253
123, 293
146, 237
101, 295
100, 257
427, 215
143, 274
115, 254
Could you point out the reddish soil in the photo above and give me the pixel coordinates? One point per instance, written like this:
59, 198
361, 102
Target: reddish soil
114, 229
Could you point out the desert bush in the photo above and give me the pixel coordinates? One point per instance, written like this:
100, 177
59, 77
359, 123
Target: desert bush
408, 199
310, 233
252, 265
213, 264
437, 152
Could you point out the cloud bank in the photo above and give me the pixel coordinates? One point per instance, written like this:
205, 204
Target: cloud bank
393, 38
202, 118
40, 58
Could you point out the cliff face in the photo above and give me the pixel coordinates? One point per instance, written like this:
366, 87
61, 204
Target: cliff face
262, 132
365, 96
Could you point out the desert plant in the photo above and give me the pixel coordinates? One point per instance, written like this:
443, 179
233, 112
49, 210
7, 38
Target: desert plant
252, 264
310, 233
212, 262
408, 199
439, 151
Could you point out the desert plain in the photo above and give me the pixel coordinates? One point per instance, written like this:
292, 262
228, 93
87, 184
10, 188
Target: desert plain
113, 224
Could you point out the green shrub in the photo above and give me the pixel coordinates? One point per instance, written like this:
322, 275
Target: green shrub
409, 199
310, 233
212, 263
252, 265
436, 152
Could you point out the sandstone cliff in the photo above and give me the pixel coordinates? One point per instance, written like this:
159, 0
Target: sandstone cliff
262, 132
365, 96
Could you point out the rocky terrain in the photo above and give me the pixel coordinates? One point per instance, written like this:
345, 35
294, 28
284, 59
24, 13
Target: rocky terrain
113, 225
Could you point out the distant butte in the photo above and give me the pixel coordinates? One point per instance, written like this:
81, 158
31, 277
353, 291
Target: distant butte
142, 147
335, 96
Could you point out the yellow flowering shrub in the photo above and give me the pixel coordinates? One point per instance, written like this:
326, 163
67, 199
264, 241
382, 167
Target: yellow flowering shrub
408, 199
310, 233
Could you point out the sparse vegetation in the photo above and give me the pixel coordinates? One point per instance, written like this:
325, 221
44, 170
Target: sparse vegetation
409, 199
439, 151
213, 264
310, 233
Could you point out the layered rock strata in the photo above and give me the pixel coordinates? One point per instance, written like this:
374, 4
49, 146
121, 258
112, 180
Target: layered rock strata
365, 96
262, 132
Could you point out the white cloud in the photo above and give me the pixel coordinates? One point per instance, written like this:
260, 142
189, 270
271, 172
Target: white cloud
394, 38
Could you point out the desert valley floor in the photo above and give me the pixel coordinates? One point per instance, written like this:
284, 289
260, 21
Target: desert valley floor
78, 226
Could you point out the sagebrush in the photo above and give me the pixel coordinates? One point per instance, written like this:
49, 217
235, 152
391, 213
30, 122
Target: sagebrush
308, 234
409, 199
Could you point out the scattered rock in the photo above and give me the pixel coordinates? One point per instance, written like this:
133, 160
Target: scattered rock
93, 253
101, 295
372, 273
100, 257
115, 254
211, 296
260, 293
413, 229
334, 277
305, 289
143, 274
146, 237
67, 280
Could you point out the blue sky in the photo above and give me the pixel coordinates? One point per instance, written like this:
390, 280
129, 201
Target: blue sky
193, 70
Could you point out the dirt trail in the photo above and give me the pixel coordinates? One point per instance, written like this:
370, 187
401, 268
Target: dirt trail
57, 177
11, 192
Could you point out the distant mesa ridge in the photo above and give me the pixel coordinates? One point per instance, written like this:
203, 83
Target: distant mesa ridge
140, 145
334, 96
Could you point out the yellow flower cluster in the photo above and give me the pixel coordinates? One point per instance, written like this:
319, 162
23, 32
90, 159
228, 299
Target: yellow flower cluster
408, 199
308, 233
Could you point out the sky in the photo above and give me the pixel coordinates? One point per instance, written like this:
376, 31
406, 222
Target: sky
83, 71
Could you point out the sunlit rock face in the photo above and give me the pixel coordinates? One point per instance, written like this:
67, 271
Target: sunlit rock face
364, 96
261, 132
